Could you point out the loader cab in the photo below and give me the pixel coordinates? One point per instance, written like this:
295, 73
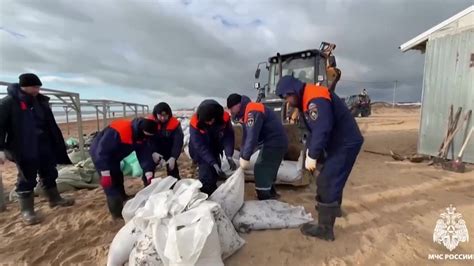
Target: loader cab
309, 66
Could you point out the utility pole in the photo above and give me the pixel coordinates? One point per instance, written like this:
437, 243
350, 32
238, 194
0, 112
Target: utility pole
394, 89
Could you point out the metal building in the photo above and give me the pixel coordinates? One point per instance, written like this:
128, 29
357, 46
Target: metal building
448, 80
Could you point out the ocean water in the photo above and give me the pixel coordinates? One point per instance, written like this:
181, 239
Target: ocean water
88, 115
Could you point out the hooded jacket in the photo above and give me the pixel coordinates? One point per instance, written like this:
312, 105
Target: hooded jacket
206, 143
117, 141
18, 120
260, 127
326, 116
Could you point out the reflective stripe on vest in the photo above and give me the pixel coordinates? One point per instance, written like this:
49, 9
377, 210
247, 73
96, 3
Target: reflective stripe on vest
124, 129
312, 92
259, 107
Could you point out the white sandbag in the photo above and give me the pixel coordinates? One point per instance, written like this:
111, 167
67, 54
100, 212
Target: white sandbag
230, 195
186, 191
156, 208
269, 214
185, 126
197, 200
211, 252
225, 164
144, 253
288, 172
291, 171
189, 238
157, 185
122, 245
229, 239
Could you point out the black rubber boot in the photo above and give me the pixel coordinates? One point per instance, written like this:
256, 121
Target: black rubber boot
55, 198
265, 195
340, 213
27, 208
326, 219
115, 205
274, 193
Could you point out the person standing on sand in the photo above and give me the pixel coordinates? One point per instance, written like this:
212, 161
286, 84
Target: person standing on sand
111, 146
168, 142
333, 131
260, 127
211, 133
30, 137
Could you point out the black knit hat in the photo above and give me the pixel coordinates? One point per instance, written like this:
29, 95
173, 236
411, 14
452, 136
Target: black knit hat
209, 110
29, 79
149, 126
162, 107
233, 100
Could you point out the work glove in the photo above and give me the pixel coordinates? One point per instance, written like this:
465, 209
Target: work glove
158, 159
310, 163
219, 171
149, 176
244, 164
2, 157
232, 164
106, 179
171, 163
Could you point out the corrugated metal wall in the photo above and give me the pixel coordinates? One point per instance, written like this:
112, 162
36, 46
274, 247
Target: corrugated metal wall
448, 79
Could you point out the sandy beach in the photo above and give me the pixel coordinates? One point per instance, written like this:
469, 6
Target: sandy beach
391, 210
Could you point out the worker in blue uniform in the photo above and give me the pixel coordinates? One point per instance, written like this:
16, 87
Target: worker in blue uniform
211, 133
263, 130
168, 141
111, 146
332, 131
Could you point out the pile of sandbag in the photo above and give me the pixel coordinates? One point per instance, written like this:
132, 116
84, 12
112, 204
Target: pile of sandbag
179, 226
185, 127
171, 222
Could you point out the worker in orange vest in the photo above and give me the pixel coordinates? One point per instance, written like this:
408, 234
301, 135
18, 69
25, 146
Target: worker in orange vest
333, 132
168, 142
111, 146
263, 130
211, 134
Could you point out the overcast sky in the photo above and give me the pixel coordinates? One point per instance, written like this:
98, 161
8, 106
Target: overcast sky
185, 51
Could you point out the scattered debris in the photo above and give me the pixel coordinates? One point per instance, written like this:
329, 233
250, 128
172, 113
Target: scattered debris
414, 158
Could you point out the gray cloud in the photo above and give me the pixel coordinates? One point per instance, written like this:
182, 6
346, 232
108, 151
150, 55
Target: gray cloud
211, 48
